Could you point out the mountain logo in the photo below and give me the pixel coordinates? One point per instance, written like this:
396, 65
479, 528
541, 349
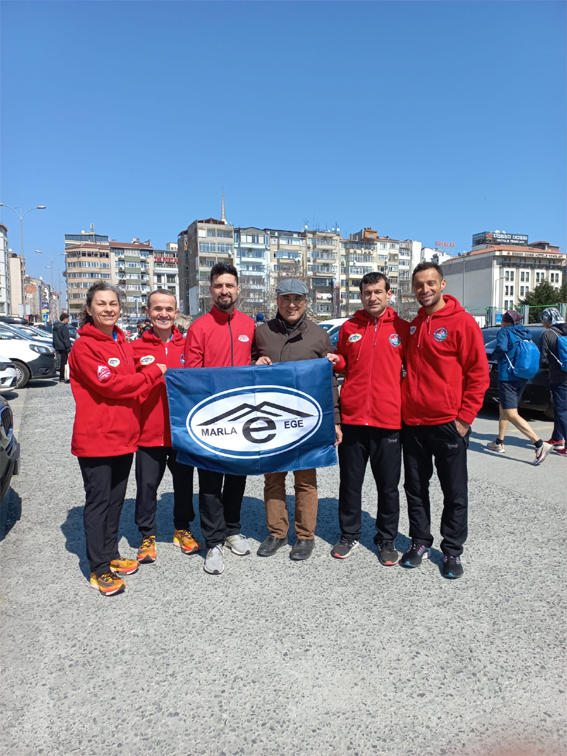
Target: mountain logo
254, 421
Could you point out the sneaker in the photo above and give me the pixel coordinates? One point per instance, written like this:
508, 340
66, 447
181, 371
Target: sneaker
214, 561
344, 548
414, 555
147, 550
495, 446
108, 584
557, 445
237, 544
123, 566
563, 452
185, 541
542, 452
452, 567
387, 553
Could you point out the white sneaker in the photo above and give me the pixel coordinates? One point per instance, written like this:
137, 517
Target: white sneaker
542, 452
237, 544
214, 561
495, 446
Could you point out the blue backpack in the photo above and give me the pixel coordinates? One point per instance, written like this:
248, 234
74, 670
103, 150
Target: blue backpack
526, 359
561, 355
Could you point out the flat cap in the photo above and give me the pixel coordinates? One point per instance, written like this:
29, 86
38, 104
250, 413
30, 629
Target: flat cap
292, 286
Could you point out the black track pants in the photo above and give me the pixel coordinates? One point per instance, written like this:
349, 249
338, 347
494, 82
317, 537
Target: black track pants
219, 505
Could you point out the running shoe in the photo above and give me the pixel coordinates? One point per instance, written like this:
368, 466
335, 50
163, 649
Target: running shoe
387, 553
185, 541
238, 544
123, 566
108, 584
495, 446
214, 561
147, 550
542, 452
344, 548
452, 567
557, 445
415, 555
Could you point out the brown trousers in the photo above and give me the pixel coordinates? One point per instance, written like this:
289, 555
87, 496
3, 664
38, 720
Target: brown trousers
306, 501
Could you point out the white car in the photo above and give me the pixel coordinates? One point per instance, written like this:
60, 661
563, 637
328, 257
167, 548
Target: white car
333, 326
8, 375
32, 359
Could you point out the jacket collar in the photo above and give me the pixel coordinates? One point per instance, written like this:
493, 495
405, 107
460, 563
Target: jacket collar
89, 329
151, 338
220, 316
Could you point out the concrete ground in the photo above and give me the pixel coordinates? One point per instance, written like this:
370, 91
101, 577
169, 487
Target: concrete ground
275, 658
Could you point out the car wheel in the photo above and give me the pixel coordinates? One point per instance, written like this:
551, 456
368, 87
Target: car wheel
22, 374
548, 412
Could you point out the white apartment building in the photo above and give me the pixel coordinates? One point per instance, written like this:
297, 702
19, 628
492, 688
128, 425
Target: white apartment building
4, 271
166, 269
252, 261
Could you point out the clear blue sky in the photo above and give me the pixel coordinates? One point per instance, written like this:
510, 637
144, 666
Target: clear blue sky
424, 120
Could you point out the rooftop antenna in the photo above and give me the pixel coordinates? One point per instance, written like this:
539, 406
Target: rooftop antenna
223, 214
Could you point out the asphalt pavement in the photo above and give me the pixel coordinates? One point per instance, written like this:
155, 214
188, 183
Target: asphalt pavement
275, 658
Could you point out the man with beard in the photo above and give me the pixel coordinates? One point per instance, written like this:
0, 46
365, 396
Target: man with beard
221, 338
443, 391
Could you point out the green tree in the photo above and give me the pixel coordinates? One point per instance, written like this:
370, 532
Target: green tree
544, 295
563, 293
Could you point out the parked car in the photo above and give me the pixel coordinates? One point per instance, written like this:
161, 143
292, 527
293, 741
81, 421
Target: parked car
537, 394
9, 448
333, 326
32, 359
8, 375
30, 333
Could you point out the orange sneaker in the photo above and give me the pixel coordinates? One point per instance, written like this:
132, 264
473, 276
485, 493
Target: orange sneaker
147, 550
123, 566
108, 584
184, 539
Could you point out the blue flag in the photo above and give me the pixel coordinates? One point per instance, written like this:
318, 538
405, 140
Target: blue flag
253, 420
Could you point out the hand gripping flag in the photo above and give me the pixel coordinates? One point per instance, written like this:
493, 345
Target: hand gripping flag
253, 420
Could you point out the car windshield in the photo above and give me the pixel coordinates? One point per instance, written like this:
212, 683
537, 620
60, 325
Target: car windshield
327, 326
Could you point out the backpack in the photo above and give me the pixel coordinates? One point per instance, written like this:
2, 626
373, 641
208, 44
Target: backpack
526, 359
561, 355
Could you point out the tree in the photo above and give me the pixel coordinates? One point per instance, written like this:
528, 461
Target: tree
544, 295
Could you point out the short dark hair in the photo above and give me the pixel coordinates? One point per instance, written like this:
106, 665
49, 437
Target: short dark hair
84, 316
427, 266
221, 268
162, 291
64, 316
373, 278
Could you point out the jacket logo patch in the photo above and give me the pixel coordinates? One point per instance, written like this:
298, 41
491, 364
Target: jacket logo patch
147, 360
355, 337
103, 373
243, 338
440, 334
182, 359
395, 340
114, 362
412, 330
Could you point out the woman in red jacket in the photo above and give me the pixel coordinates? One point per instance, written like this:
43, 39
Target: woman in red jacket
106, 388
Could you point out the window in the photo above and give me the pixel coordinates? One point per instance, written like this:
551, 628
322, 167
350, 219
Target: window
522, 289
211, 232
207, 247
382, 245
225, 234
226, 248
171, 279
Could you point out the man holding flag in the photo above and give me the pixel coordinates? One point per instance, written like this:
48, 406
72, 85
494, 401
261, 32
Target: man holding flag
221, 338
290, 337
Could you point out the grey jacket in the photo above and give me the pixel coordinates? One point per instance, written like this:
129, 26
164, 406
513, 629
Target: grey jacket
548, 349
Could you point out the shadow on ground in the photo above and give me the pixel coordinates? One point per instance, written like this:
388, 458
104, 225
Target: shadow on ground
10, 512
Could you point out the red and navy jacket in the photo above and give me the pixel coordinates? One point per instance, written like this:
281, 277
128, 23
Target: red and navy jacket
447, 370
150, 350
106, 388
371, 354
219, 340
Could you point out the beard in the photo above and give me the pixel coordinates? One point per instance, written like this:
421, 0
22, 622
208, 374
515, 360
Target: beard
225, 304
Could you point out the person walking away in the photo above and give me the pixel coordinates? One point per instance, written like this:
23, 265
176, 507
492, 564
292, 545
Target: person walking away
511, 388
291, 337
106, 430
221, 338
162, 343
370, 351
62, 343
443, 391
553, 348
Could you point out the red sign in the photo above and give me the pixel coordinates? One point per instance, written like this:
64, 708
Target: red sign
158, 258
444, 244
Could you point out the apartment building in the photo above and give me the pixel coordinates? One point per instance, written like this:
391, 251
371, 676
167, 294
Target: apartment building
200, 246
4, 271
132, 269
358, 257
17, 272
252, 260
166, 269
87, 259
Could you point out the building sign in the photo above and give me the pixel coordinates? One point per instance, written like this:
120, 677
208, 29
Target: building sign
161, 258
444, 244
496, 237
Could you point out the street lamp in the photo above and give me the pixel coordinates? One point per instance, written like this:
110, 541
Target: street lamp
21, 217
52, 258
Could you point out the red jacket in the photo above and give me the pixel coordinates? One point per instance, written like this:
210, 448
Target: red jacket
106, 388
219, 340
447, 369
155, 429
372, 351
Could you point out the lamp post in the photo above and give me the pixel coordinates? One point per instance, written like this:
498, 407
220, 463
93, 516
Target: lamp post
51, 258
21, 216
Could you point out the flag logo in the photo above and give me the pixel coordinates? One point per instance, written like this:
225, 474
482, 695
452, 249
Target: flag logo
395, 340
240, 422
440, 334
354, 337
147, 360
114, 362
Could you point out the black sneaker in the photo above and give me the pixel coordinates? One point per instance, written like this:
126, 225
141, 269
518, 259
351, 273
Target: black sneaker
414, 555
387, 553
344, 548
452, 567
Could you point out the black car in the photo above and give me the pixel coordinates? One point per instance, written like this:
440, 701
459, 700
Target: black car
537, 394
9, 449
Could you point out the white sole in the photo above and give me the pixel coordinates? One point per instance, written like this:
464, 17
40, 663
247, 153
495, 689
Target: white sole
346, 556
213, 572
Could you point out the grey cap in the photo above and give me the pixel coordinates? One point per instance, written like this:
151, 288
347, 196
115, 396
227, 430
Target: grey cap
292, 286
